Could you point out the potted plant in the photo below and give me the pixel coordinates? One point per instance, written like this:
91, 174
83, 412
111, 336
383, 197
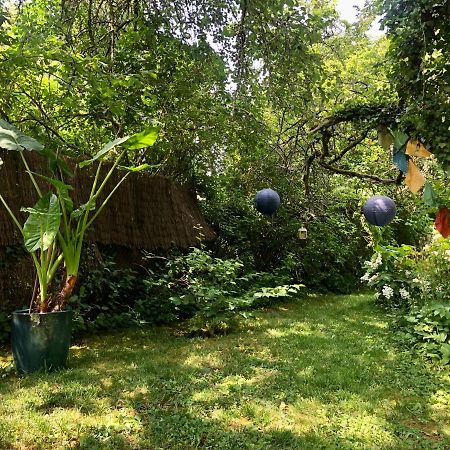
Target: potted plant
53, 235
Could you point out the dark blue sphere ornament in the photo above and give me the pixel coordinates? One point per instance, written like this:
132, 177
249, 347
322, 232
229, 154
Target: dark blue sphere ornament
267, 201
379, 210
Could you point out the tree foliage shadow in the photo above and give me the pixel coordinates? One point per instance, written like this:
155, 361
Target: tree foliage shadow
171, 401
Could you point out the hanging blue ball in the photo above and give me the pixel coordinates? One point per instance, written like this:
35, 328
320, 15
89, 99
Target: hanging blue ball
379, 210
267, 201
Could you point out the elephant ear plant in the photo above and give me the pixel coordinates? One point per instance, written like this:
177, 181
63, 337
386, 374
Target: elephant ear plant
54, 231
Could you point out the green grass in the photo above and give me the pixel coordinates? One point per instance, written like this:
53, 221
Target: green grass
322, 372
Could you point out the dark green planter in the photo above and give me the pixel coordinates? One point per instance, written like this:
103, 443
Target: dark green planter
40, 341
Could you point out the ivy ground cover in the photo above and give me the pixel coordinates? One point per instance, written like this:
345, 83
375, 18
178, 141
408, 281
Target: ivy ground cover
320, 372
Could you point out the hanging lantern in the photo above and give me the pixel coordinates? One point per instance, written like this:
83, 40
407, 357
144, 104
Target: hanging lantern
267, 201
379, 210
302, 233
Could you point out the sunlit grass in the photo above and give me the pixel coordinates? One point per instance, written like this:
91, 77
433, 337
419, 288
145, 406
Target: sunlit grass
321, 372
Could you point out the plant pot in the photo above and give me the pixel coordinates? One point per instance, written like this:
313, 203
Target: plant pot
40, 341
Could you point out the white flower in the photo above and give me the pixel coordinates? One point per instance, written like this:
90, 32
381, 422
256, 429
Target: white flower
404, 293
379, 260
375, 264
373, 278
365, 277
387, 291
377, 295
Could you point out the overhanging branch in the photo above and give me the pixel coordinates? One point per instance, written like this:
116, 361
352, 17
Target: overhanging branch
349, 147
363, 176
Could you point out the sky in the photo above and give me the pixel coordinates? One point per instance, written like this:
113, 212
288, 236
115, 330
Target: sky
348, 12
346, 9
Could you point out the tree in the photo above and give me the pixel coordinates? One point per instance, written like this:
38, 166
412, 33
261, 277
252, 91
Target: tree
419, 34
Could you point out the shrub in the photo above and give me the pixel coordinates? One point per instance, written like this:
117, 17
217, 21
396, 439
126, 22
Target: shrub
417, 282
435, 269
208, 294
210, 291
427, 329
106, 299
392, 273
272, 244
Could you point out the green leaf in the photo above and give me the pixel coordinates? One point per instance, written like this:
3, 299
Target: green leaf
62, 190
82, 209
55, 162
145, 138
42, 225
13, 139
445, 349
140, 168
104, 151
430, 197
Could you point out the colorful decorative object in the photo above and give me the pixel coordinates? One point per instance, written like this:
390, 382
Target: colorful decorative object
430, 197
267, 201
400, 160
385, 138
379, 210
414, 178
442, 222
416, 148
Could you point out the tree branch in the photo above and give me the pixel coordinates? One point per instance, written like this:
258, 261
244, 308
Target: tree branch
349, 147
362, 176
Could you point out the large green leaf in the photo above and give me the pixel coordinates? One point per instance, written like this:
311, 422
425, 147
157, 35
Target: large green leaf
42, 225
62, 190
104, 151
145, 138
13, 139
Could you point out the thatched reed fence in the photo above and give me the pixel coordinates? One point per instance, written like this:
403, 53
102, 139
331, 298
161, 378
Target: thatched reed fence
148, 212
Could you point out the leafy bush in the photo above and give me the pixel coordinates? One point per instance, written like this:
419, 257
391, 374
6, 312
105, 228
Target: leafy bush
272, 244
418, 282
435, 269
392, 273
209, 295
331, 258
427, 329
209, 291
205, 292
105, 299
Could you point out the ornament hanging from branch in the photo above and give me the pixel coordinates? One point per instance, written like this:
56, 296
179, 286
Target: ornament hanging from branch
302, 233
267, 201
416, 148
414, 178
379, 210
442, 222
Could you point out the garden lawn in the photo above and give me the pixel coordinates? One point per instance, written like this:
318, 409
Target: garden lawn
319, 372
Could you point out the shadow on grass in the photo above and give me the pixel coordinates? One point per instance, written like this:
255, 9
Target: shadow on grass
323, 374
